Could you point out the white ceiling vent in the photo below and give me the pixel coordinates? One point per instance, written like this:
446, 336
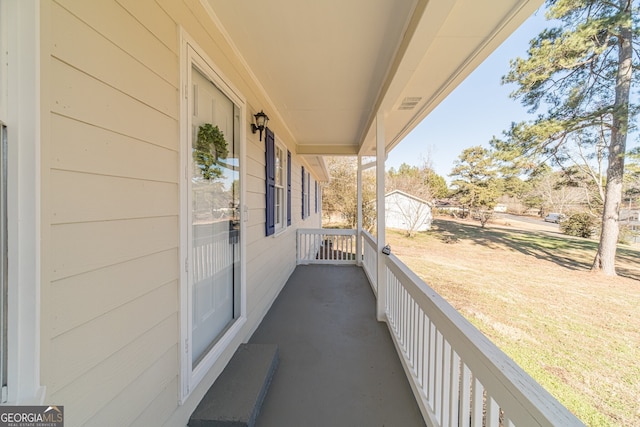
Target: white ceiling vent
409, 103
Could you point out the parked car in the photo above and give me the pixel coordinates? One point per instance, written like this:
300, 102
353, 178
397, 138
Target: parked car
554, 217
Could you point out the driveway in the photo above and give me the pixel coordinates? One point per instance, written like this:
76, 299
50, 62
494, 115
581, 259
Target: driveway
526, 222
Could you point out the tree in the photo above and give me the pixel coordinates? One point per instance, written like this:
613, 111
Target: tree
581, 74
419, 181
476, 183
340, 195
589, 191
552, 191
578, 224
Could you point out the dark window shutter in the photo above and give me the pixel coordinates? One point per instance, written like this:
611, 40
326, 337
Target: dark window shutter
270, 180
303, 187
288, 187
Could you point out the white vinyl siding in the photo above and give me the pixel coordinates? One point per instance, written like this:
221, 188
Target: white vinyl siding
111, 328
112, 313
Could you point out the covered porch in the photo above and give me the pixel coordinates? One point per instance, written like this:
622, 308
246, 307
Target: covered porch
107, 99
338, 365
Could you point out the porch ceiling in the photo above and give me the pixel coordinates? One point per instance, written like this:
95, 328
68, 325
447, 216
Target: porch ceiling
329, 67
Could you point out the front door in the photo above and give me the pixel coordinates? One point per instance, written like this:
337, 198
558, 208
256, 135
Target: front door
215, 226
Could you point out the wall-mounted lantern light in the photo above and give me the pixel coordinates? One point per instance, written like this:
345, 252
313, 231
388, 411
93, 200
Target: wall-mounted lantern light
260, 124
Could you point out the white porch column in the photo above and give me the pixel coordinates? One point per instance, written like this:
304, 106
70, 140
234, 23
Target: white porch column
380, 211
359, 226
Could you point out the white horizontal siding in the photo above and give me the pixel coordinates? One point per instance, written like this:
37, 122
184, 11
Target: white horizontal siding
87, 394
111, 203
118, 198
142, 390
82, 147
81, 97
82, 247
138, 81
112, 211
116, 24
154, 20
77, 351
84, 297
162, 405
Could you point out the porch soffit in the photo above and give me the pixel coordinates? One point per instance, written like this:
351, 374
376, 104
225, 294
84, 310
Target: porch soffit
328, 67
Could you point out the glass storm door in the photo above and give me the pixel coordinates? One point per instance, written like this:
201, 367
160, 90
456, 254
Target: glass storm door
215, 223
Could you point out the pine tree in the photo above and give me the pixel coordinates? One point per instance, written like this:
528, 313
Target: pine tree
476, 183
581, 75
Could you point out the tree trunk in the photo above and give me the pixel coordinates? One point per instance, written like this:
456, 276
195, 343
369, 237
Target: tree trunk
605, 258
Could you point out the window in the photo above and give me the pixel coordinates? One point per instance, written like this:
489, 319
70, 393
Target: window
278, 185
288, 187
308, 199
304, 194
280, 202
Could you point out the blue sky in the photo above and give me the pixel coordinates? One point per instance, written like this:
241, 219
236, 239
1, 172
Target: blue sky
473, 113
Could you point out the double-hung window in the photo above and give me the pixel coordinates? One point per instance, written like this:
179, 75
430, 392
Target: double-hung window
306, 191
278, 185
308, 194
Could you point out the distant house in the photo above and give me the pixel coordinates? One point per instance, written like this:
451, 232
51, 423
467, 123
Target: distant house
447, 205
407, 212
630, 215
631, 219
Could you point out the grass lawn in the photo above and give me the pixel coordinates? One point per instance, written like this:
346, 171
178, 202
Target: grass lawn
577, 333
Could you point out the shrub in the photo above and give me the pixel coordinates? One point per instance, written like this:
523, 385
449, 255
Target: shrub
628, 235
579, 225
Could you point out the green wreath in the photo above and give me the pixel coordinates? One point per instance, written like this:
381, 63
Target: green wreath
210, 146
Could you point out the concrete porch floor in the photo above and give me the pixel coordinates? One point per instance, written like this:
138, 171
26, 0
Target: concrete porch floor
338, 365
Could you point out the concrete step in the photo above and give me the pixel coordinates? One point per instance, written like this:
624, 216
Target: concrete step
234, 400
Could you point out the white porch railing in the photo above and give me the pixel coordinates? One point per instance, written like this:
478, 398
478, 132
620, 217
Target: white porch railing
370, 259
326, 246
459, 377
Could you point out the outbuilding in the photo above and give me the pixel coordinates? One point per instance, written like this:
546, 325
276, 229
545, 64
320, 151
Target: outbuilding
407, 212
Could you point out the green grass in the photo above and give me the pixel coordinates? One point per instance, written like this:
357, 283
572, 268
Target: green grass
575, 332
